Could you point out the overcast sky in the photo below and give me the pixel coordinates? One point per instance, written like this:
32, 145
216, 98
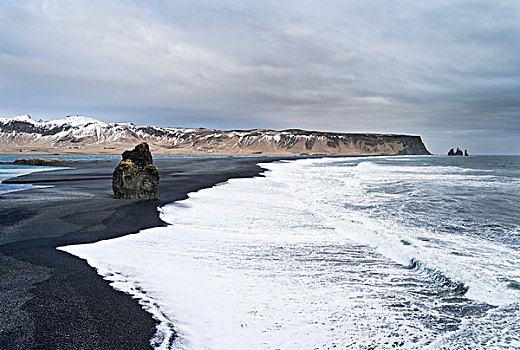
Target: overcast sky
446, 70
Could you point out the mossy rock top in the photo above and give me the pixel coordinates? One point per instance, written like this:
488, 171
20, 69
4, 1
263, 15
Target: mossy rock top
140, 155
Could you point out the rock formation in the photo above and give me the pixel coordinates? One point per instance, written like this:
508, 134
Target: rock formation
458, 152
136, 177
466, 153
38, 162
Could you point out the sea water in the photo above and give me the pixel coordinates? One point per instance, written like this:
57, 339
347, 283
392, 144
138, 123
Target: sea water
365, 253
11, 171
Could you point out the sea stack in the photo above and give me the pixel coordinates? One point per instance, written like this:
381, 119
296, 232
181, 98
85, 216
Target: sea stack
458, 152
136, 177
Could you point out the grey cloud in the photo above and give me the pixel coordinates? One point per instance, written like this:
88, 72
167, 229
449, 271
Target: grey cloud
408, 67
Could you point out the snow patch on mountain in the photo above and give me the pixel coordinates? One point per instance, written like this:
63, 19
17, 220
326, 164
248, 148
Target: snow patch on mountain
75, 120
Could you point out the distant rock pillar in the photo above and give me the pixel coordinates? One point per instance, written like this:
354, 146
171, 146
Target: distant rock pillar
136, 177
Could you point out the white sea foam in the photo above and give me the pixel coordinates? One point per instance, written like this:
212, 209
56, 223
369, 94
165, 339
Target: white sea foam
481, 265
296, 260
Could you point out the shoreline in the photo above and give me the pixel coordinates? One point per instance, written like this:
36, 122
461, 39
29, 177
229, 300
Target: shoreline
55, 300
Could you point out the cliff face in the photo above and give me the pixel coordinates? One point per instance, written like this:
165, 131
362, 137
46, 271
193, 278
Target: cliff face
85, 135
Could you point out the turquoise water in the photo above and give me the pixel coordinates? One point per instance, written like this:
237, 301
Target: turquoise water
10, 171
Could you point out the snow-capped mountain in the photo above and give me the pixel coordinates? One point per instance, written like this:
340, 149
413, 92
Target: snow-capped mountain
79, 134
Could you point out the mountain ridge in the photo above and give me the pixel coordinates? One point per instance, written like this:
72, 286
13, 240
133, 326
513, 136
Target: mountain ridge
79, 134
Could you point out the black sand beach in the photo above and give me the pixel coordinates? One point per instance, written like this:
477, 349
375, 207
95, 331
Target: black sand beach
52, 300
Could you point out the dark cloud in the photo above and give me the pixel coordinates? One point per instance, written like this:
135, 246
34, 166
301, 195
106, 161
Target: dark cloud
448, 70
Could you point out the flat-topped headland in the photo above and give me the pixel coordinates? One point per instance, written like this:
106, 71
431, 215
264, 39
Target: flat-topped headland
81, 135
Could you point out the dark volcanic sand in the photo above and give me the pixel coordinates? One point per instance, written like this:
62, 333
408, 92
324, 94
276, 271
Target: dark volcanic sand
52, 300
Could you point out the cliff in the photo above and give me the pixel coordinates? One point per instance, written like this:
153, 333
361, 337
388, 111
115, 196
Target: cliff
76, 134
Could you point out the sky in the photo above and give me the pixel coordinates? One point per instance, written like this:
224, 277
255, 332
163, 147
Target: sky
446, 70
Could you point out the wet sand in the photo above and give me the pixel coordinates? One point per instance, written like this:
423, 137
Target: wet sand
52, 300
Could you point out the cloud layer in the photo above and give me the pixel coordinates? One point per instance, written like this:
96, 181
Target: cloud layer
448, 70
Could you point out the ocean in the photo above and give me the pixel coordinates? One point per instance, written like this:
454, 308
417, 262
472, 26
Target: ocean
412, 252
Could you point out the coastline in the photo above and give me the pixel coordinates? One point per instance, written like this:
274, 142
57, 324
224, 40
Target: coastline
54, 300
213, 266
